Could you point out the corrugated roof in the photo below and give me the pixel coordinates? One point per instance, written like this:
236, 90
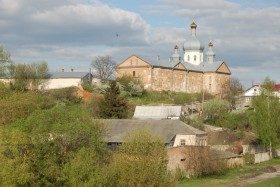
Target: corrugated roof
157, 112
67, 75
117, 129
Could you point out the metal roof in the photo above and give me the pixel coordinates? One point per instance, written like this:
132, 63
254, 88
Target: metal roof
56, 75
117, 129
157, 112
202, 67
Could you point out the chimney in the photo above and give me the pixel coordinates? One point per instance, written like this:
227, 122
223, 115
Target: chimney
62, 70
72, 70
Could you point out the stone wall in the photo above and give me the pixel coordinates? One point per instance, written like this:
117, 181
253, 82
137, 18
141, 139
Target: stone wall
176, 79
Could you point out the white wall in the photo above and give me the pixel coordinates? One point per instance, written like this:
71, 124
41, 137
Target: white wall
190, 140
62, 83
191, 54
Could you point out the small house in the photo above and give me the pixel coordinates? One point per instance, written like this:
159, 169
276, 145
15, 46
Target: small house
173, 132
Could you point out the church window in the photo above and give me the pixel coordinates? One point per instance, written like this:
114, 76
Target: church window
200, 58
133, 73
194, 58
188, 57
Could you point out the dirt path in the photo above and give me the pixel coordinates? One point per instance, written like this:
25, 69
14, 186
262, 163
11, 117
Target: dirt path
256, 179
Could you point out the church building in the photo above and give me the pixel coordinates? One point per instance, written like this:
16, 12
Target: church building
189, 74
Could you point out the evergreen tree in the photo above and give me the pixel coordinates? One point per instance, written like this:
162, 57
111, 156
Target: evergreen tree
113, 105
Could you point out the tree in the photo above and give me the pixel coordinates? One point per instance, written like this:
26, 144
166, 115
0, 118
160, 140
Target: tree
28, 76
141, 160
265, 119
61, 146
216, 107
5, 59
105, 67
113, 105
235, 89
130, 86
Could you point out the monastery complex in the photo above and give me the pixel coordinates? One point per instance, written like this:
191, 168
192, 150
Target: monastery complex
190, 74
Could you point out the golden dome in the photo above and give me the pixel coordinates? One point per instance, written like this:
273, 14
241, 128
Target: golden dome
193, 25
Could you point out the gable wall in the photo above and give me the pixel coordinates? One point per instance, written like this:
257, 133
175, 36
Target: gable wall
223, 69
137, 68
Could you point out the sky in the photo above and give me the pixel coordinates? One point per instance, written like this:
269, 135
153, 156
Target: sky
72, 33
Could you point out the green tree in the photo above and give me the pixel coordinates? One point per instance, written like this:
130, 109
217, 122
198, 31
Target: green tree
215, 108
140, 161
265, 118
113, 105
17, 105
28, 76
64, 148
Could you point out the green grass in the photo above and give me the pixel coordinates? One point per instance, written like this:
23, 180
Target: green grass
273, 182
232, 175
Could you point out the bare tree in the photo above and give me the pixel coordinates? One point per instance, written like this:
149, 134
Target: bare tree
105, 67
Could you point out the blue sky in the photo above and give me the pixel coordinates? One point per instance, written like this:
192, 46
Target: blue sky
71, 33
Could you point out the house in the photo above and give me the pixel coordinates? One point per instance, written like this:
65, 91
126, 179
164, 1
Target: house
255, 90
189, 74
66, 79
158, 112
173, 132
61, 79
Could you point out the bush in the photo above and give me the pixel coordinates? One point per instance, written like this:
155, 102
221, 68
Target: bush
87, 86
21, 104
130, 86
61, 146
66, 95
140, 161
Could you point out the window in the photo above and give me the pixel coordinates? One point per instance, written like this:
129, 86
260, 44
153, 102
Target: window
133, 74
188, 57
194, 58
182, 142
200, 58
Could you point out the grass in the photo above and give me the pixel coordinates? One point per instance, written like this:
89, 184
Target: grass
273, 182
232, 175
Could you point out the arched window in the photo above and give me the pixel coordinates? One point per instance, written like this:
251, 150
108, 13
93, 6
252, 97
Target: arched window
133, 73
194, 58
188, 57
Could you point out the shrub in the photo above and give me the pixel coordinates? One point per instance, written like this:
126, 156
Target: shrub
87, 86
130, 86
66, 95
140, 161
